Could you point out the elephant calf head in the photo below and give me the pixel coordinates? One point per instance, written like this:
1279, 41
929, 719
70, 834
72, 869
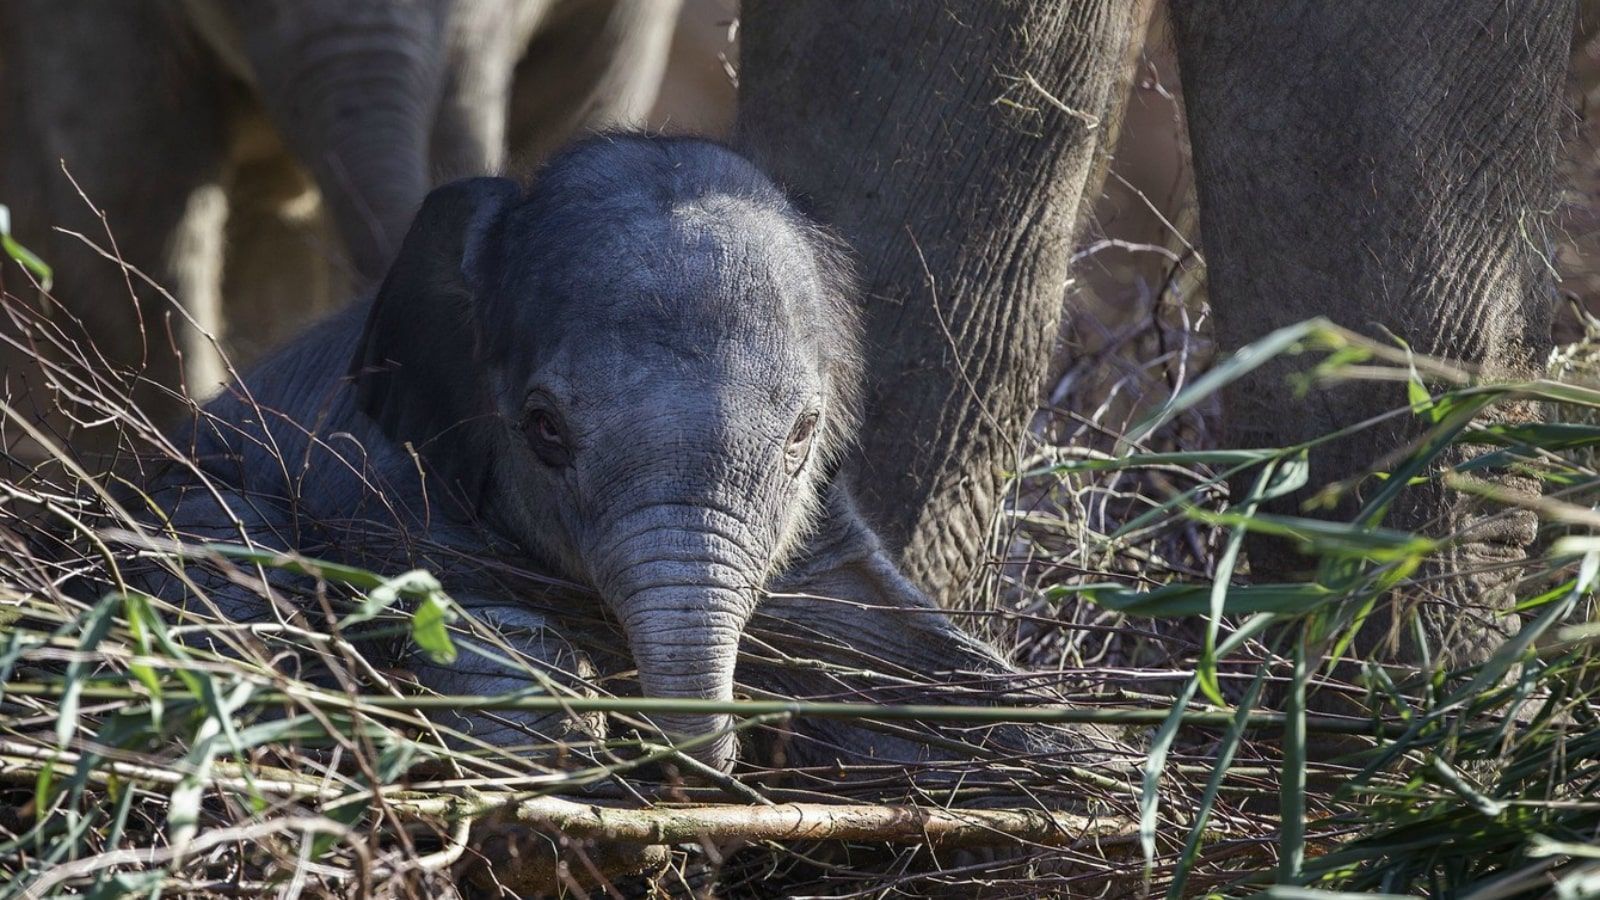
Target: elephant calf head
641, 370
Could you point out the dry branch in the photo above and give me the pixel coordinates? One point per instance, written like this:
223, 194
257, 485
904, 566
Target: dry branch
664, 824
889, 823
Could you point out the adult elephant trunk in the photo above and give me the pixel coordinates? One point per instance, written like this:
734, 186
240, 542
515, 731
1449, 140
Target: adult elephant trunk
353, 88
368, 150
683, 598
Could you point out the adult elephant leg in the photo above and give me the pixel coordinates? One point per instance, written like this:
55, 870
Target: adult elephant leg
1387, 165
951, 143
118, 95
592, 64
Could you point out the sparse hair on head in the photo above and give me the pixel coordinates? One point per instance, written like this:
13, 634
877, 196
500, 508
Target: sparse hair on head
606, 188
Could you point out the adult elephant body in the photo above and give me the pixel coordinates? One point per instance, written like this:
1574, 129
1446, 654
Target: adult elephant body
1387, 165
167, 114
381, 100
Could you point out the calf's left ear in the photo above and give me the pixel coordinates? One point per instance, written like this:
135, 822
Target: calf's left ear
419, 369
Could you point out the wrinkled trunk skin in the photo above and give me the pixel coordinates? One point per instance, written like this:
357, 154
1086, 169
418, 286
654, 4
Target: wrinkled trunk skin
912, 128
683, 595
1387, 165
354, 95
685, 642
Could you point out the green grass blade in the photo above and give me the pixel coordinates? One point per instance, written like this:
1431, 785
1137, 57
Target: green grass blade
96, 625
1246, 360
1292, 785
1156, 761
1226, 751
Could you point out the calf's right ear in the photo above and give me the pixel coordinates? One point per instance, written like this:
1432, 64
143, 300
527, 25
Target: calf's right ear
419, 369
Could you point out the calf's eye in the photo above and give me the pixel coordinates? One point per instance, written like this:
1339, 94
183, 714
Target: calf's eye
544, 428
799, 445
545, 435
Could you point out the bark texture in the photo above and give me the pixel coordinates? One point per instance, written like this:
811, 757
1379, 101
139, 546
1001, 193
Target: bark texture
1388, 165
950, 143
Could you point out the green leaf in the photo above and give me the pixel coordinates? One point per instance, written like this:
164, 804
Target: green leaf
1185, 458
416, 584
183, 805
304, 728
1513, 650
22, 255
43, 785
429, 628
1495, 460
1421, 401
1450, 778
1276, 479
1324, 538
1455, 412
1557, 392
1225, 753
1543, 435
1290, 892
395, 758
429, 621
301, 565
1541, 846
1292, 781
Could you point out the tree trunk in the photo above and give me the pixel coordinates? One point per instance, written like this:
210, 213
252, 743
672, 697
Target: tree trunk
951, 143
1388, 165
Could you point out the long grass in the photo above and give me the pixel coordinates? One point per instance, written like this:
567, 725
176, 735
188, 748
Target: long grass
151, 747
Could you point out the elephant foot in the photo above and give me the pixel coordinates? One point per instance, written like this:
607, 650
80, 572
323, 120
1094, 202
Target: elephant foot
513, 650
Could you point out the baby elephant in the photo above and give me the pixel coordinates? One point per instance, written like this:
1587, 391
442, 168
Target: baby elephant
636, 375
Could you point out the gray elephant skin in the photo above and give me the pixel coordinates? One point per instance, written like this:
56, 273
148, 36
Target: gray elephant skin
1385, 164
637, 375
177, 117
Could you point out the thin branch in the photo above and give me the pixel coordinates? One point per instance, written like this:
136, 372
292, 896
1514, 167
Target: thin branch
1036, 715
